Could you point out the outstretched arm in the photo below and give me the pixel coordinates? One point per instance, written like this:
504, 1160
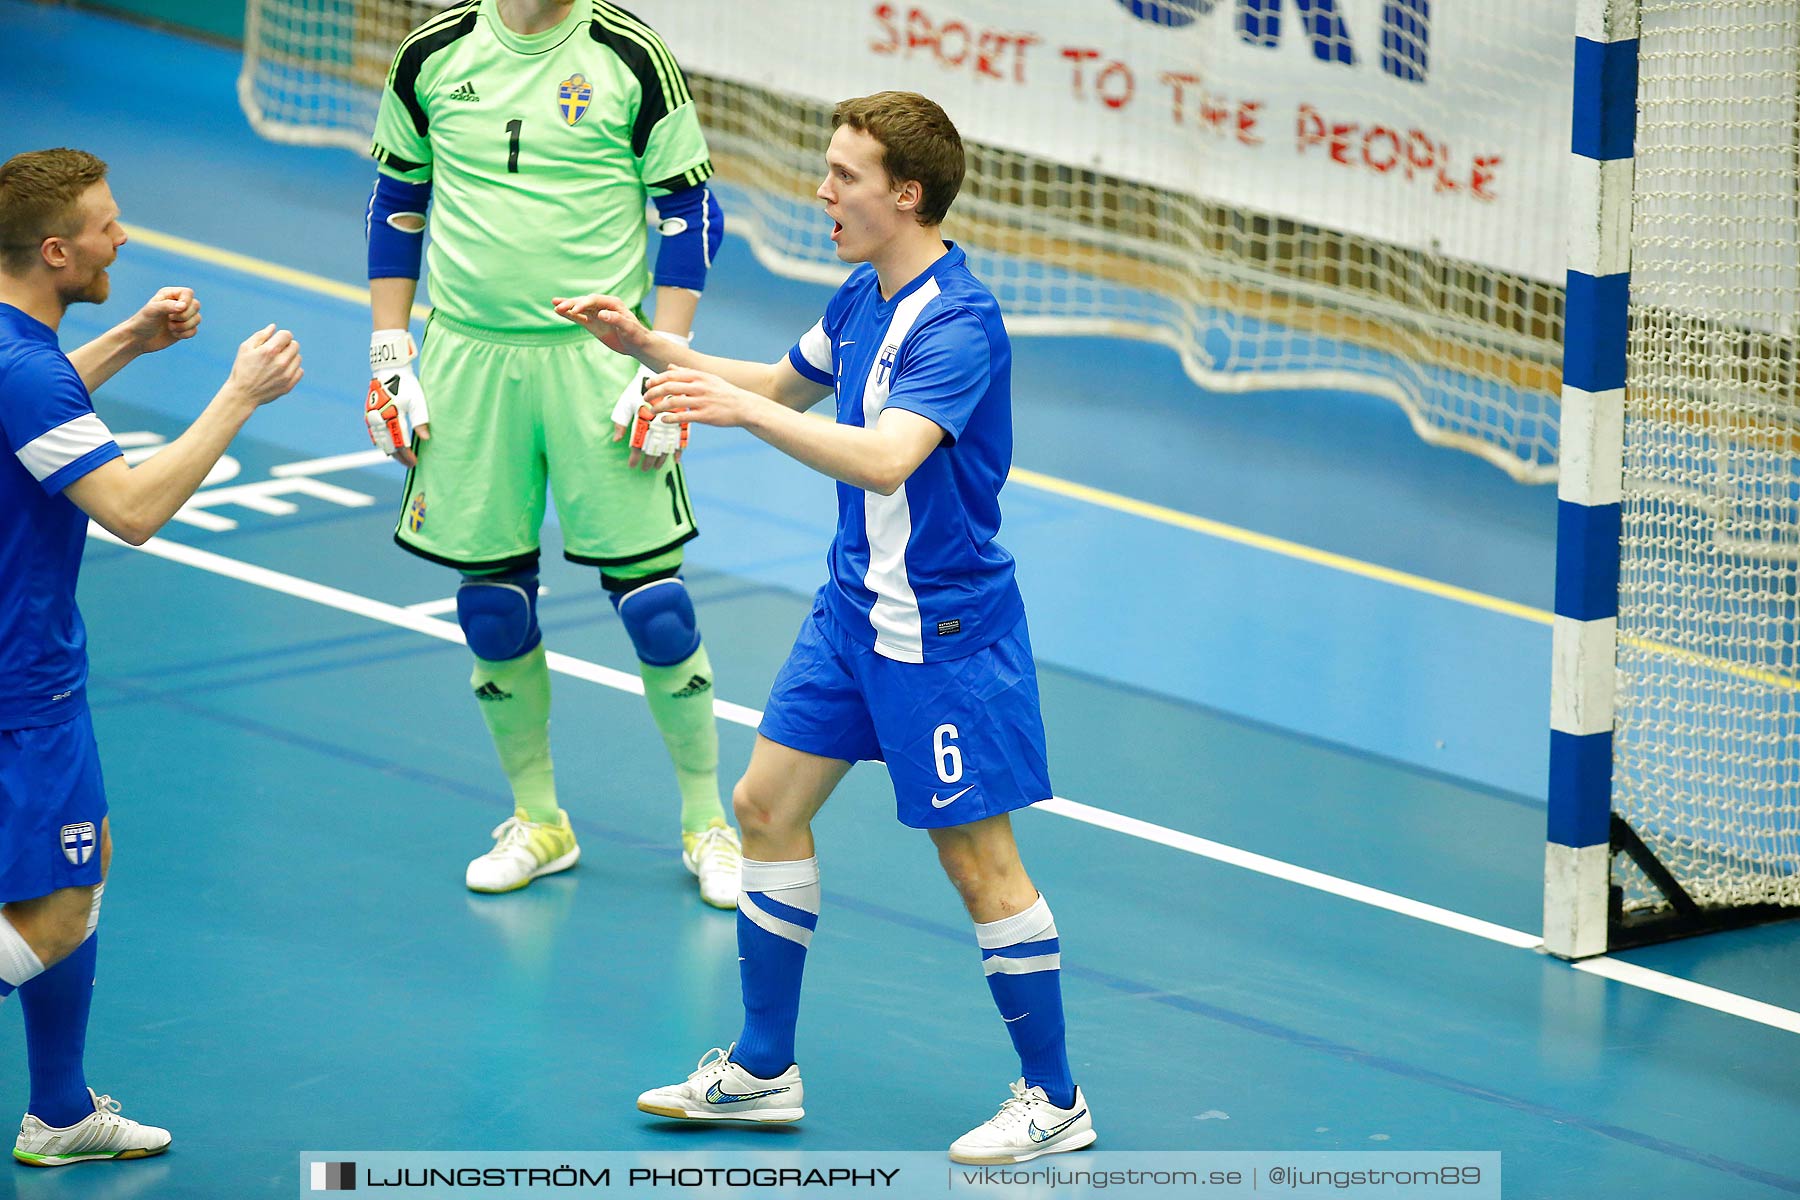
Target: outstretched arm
612, 321
876, 460
170, 316
132, 503
675, 308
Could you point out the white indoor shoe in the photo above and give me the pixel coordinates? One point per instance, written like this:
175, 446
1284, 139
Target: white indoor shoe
1026, 1126
523, 850
102, 1135
714, 858
723, 1091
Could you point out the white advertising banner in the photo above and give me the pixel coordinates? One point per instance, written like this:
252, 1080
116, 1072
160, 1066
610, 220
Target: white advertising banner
1438, 124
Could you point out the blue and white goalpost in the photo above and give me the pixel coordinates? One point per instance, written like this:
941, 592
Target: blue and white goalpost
1577, 858
1674, 792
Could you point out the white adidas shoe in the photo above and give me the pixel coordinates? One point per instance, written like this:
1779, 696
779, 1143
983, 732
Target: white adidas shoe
714, 858
1026, 1126
523, 850
723, 1091
102, 1135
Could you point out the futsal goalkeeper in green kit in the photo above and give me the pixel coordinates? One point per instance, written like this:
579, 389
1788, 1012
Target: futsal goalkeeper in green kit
531, 132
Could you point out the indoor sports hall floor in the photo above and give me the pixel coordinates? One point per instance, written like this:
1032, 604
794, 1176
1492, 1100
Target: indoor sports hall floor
297, 775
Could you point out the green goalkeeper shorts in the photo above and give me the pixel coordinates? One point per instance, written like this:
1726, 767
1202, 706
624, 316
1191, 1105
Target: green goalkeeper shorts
510, 414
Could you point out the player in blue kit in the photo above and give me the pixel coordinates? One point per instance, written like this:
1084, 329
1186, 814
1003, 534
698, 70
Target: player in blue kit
916, 652
59, 232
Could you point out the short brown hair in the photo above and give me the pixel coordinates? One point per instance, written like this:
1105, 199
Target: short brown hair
918, 142
39, 194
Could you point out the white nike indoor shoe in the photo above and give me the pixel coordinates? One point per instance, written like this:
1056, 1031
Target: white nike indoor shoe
1026, 1126
723, 1091
103, 1134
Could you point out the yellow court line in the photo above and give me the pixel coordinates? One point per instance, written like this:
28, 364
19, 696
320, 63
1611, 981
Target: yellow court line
1352, 566
1694, 658
304, 280
307, 281
1275, 545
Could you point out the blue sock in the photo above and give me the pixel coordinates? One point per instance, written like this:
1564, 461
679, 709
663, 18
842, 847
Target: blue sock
1023, 962
56, 1007
777, 912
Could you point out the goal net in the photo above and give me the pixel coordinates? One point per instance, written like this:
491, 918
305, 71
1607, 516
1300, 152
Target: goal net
313, 69
1347, 194
1707, 733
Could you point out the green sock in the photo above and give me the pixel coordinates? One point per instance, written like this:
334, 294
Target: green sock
680, 699
515, 703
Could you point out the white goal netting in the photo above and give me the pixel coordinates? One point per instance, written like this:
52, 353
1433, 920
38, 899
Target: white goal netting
1707, 738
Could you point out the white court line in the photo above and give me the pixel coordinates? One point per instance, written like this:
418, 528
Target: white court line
324, 466
393, 614
1607, 968
1305, 877
1694, 993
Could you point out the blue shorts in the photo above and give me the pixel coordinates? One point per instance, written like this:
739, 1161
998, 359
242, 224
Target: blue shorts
963, 740
52, 802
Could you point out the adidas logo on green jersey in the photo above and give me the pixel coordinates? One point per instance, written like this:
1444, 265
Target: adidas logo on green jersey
466, 92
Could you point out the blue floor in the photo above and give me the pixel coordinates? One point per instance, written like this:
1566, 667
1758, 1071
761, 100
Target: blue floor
289, 960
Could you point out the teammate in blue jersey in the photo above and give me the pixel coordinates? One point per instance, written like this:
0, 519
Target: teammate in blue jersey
916, 652
59, 232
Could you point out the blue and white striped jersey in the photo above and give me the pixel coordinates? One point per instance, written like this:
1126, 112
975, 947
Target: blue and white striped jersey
918, 574
52, 438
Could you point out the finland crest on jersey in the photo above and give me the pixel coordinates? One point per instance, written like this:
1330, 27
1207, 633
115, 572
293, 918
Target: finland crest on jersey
574, 95
920, 569
78, 842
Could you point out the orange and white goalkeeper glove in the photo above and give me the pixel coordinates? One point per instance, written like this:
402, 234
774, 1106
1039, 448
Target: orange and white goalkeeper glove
650, 436
396, 404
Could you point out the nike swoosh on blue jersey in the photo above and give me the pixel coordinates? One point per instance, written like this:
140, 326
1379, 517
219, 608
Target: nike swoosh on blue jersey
717, 1095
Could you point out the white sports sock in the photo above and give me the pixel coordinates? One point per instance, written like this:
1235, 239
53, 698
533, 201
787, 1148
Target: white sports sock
18, 963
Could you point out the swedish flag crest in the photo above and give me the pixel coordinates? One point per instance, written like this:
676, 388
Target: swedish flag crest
574, 95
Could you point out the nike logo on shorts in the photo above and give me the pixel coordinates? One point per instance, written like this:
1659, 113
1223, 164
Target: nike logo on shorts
936, 803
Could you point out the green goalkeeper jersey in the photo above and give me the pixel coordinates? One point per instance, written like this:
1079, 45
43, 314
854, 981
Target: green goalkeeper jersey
540, 150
